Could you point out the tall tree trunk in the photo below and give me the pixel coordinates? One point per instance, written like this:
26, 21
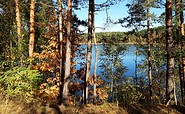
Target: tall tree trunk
181, 46
68, 52
89, 48
170, 97
19, 33
149, 55
95, 64
32, 30
61, 79
177, 16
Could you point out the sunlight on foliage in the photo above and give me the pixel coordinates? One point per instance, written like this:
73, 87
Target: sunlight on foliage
21, 82
49, 90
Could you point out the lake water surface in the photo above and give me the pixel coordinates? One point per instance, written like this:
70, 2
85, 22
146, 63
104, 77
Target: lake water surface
128, 59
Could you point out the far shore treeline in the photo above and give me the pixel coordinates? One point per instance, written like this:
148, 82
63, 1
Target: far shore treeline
130, 37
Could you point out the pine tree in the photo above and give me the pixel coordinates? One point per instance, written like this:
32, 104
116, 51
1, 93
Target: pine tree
32, 29
19, 32
89, 48
170, 91
60, 20
68, 52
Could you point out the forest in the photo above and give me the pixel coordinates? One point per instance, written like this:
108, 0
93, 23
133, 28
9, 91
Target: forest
48, 65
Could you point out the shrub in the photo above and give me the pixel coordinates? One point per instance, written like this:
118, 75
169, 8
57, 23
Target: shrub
20, 81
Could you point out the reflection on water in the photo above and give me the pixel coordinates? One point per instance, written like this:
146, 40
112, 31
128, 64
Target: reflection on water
128, 60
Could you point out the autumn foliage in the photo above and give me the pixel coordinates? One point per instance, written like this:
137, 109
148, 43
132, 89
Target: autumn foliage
47, 62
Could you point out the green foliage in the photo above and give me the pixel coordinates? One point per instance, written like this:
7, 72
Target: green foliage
128, 91
158, 62
20, 82
118, 37
111, 62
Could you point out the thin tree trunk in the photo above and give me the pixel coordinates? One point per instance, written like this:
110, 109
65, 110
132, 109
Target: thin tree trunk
89, 49
182, 61
11, 49
112, 82
175, 97
149, 54
61, 79
181, 79
112, 78
136, 67
19, 32
95, 65
32, 30
96, 54
68, 52
170, 97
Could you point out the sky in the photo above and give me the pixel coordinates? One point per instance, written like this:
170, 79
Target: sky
115, 12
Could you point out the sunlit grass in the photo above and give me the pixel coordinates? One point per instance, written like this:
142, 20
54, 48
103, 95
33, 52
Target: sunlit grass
20, 106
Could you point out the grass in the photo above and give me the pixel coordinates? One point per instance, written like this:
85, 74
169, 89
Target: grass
17, 106
8, 106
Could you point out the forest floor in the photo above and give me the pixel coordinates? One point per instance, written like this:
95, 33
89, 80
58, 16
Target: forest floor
8, 106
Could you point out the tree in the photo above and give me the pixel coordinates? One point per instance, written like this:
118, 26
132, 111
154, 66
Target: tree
137, 15
149, 55
32, 30
139, 12
112, 63
8, 31
89, 48
19, 33
178, 38
60, 44
95, 63
170, 90
182, 61
68, 52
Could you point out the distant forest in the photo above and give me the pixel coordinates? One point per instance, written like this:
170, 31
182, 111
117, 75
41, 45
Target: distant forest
126, 37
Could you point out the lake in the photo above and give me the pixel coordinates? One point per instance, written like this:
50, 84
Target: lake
128, 59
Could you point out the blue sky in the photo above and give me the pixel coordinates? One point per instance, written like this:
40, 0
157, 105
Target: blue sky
115, 12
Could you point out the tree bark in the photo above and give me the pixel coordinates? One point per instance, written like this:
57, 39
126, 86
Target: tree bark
178, 30
182, 61
19, 32
170, 97
149, 54
89, 48
181, 17
68, 52
95, 64
112, 80
61, 79
32, 30
136, 68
